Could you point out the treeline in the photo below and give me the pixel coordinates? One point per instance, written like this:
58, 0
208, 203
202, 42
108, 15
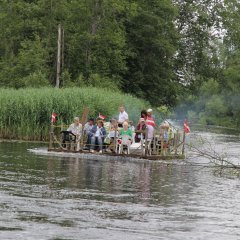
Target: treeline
167, 52
213, 98
118, 44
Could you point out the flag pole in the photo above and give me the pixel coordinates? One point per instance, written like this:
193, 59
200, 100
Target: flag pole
51, 133
186, 130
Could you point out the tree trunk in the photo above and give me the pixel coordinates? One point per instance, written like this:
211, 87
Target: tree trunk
62, 48
59, 56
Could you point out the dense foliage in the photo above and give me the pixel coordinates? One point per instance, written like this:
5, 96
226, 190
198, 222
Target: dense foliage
213, 95
26, 113
169, 52
121, 44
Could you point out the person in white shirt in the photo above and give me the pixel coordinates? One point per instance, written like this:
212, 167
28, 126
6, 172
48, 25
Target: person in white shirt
76, 129
123, 116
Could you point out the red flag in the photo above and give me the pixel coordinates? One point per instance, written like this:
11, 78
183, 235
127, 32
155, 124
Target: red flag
54, 117
186, 127
101, 116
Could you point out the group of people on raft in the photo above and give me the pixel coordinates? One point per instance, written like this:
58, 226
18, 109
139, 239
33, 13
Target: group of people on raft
101, 135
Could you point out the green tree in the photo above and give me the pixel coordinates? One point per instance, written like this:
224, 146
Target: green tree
152, 40
199, 24
31, 62
95, 39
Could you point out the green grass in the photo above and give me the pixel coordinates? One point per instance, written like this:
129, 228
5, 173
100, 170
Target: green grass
25, 114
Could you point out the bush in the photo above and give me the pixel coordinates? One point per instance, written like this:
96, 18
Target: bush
26, 113
36, 79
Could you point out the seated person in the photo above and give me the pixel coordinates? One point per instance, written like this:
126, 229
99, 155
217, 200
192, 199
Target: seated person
125, 138
87, 131
112, 128
112, 134
98, 133
125, 131
88, 126
76, 128
140, 127
165, 132
107, 127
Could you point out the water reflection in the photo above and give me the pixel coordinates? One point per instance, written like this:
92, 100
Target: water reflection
145, 182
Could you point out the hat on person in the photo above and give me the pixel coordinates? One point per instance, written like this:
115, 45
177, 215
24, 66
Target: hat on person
149, 110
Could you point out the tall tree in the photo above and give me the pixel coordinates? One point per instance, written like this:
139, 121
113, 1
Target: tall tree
152, 41
199, 24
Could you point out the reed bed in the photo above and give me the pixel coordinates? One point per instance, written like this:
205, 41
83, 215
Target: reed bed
25, 113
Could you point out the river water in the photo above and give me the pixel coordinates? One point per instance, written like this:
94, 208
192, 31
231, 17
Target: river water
49, 197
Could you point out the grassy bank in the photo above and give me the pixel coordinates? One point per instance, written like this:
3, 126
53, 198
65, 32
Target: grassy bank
25, 114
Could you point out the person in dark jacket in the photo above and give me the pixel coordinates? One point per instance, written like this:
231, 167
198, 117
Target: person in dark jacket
140, 127
144, 114
98, 133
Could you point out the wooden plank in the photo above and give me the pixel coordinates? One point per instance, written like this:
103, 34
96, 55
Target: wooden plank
85, 115
84, 121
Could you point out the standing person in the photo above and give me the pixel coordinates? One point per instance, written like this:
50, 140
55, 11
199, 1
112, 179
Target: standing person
76, 129
123, 116
87, 131
98, 133
150, 123
150, 120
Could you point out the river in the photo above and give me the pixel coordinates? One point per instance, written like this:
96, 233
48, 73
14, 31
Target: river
47, 197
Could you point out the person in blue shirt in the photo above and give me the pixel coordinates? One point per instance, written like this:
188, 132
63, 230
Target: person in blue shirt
87, 131
98, 133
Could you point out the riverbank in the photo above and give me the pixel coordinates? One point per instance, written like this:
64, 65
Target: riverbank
25, 114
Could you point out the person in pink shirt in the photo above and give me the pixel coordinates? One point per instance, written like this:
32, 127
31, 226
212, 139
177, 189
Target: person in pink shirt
150, 123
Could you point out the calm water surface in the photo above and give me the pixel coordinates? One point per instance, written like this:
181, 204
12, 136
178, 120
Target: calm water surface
46, 197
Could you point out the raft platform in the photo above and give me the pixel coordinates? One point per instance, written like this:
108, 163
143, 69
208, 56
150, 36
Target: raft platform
115, 155
157, 148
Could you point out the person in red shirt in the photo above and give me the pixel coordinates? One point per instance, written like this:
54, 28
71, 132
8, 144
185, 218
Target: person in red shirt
150, 120
150, 123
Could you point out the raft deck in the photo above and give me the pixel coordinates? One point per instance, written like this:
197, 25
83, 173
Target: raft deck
136, 156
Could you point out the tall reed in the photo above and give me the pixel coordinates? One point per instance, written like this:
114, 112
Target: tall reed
25, 114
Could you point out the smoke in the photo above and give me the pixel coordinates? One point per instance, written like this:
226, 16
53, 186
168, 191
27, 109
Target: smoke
217, 109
